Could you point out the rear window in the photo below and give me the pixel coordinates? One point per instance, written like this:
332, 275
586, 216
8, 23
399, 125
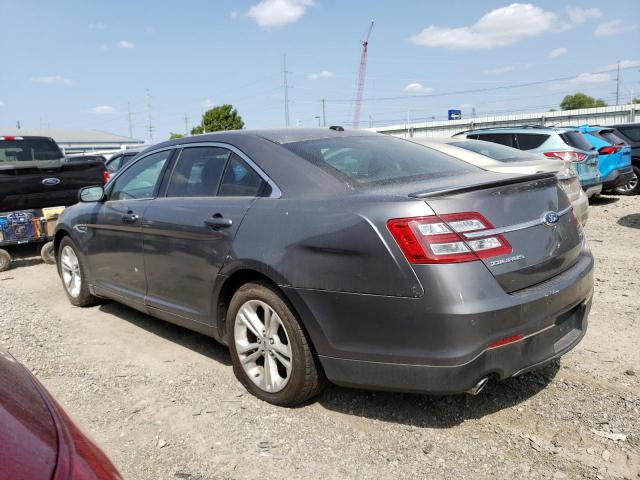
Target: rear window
611, 137
632, 133
576, 140
495, 151
501, 138
529, 141
28, 150
377, 160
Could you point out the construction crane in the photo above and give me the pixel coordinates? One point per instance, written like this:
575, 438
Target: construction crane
361, 77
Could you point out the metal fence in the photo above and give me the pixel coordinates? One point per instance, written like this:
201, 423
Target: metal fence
593, 116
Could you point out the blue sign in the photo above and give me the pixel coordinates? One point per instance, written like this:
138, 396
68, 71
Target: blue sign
455, 114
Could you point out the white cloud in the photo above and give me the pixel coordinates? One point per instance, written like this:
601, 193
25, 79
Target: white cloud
321, 74
233, 15
125, 44
102, 110
417, 88
53, 80
206, 103
579, 15
557, 52
614, 27
497, 28
623, 64
97, 26
278, 13
499, 70
584, 79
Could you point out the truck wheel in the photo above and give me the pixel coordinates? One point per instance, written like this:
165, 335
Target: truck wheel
5, 260
47, 253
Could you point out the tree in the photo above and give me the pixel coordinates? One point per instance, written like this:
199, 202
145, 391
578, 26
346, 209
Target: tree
580, 100
222, 117
636, 100
175, 135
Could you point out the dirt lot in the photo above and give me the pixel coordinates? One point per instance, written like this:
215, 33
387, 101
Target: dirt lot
164, 404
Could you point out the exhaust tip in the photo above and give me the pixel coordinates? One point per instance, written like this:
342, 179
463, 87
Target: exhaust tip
478, 387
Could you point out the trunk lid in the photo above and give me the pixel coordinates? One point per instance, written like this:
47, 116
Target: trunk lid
40, 184
518, 205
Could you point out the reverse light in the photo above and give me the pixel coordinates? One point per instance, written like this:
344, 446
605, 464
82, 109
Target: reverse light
609, 150
438, 239
575, 157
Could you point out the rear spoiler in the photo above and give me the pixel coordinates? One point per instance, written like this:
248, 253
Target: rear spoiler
436, 192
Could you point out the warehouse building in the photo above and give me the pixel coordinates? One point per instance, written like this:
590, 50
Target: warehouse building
78, 141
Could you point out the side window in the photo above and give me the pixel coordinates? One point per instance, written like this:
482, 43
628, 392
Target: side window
126, 158
473, 136
632, 133
198, 172
529, 141
141, 179
114, 164
501, 138
240, 180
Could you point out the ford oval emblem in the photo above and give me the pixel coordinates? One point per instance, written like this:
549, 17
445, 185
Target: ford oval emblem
50, 182
550, 218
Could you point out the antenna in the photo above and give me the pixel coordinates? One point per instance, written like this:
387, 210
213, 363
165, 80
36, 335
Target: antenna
150, 127
361, 77
286, 92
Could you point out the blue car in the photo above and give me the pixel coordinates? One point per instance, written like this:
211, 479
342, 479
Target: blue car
614, 160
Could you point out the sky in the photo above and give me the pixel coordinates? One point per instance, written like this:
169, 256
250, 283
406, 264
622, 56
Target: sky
87, 63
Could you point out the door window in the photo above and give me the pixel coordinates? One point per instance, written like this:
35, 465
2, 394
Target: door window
501, 138
240, 180
141, 179
114, 164
632, 133
198, 172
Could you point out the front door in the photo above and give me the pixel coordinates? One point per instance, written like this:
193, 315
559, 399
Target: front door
189, 233
116, 244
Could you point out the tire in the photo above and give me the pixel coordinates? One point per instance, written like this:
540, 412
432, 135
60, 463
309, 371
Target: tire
629, 189
5, 260
47, 253
70, 273
277, 385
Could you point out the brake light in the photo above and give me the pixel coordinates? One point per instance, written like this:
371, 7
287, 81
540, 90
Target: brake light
9, 138
609, 150
439, 239
567, 156
106, 176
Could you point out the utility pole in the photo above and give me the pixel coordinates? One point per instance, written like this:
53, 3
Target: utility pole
286, 93
318, 118
129, 117
186, 125
18, 124
618, 85
324, 112
150, 127
370, 121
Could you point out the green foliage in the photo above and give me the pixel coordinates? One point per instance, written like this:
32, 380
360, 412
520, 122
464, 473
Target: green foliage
222, 117
175, 135
580, 100
636, 100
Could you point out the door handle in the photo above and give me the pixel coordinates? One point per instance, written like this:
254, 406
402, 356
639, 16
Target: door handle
218, 222
130, 218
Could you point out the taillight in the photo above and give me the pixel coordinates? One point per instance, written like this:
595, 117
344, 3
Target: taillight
567, 156
439, 239
609, 150
9, 138
105, 176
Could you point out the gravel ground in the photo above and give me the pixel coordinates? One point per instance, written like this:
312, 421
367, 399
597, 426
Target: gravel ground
164, 404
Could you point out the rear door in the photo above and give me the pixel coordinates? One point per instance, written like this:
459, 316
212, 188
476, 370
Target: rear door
189, 232
507, 139
115, 246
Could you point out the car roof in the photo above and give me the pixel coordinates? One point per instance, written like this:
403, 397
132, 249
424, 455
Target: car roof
517, 129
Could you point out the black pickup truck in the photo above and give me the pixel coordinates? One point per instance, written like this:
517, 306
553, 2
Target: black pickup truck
34, 174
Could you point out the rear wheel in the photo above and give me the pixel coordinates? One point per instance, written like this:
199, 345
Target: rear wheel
47, 252
271, 354
5, 260
633, 187
73, 274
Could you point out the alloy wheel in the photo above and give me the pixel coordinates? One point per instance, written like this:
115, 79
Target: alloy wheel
70, 267
633, 183
262, 345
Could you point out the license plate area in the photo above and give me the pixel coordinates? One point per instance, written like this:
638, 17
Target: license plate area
568, 327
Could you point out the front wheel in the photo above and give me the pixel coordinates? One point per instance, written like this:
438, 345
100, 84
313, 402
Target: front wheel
271, 354
633, 187
73, 274
47, 253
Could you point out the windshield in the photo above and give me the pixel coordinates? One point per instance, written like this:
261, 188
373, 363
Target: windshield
28, 149
495, 151
377, 160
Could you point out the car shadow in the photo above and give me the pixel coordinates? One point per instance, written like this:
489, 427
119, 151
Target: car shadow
632, 220
24, 255
437, 411
194, 341
600, 200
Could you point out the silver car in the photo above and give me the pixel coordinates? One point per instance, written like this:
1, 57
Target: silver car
498, 158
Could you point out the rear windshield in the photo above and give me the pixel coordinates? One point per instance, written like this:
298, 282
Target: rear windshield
632, 133
611, 137
29, 150
495, 151
377, 160
576, 140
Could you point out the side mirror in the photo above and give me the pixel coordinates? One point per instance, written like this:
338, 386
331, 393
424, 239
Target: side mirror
91, 194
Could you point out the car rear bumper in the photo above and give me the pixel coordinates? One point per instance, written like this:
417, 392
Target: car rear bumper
617, 178
437, 344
